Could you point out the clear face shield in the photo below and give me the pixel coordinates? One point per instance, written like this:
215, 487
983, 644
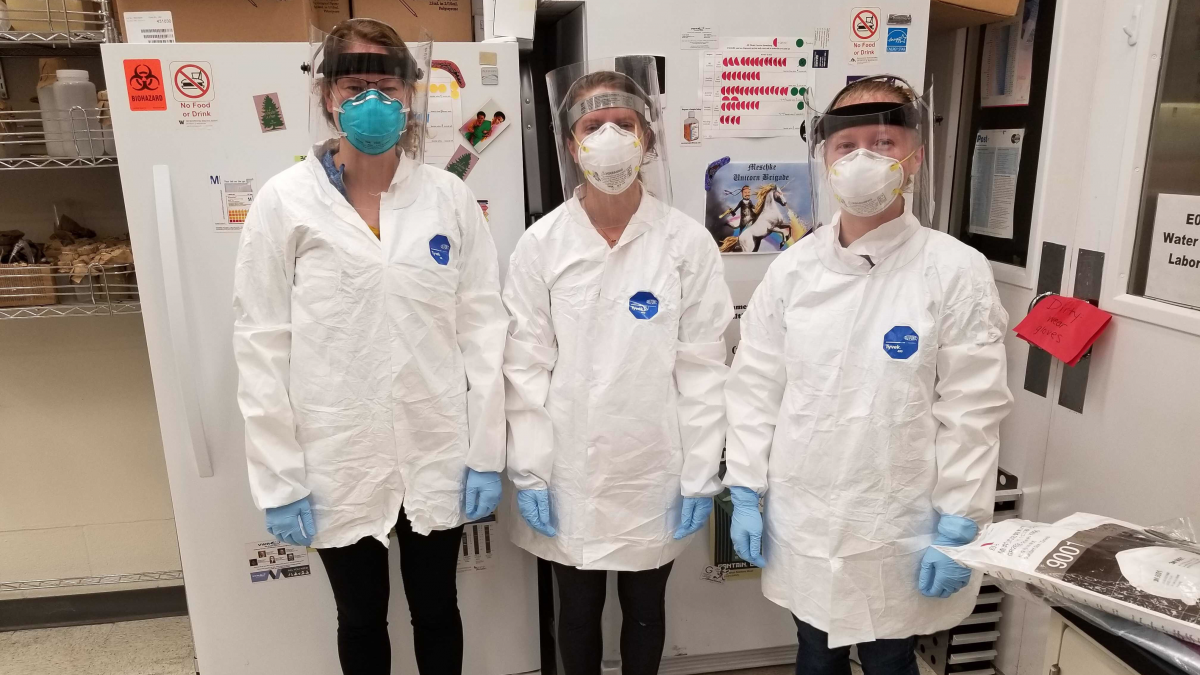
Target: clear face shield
609, 131
870, 150
369, 88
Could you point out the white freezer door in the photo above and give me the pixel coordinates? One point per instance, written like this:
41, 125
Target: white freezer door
172, 175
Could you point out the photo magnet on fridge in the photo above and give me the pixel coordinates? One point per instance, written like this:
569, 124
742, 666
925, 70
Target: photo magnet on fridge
482, 127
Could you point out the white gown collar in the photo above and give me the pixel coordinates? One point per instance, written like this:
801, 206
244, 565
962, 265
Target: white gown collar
885, 246
650, 211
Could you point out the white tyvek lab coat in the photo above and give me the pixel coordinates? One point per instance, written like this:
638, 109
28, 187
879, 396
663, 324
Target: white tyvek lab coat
619, 416
370, 373
860, 435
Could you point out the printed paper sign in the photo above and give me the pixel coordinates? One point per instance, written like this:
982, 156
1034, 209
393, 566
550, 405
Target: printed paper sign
149, 27
192, 89
864, 35
1065, 327
758, 207
232, 202
1006, 67
698, 37
272, 561
270, 115
754, 89
691, 126
1174, 271
994, 168
144, 82
445, 114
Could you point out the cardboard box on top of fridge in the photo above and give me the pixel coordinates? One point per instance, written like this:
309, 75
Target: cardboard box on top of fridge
241, 20
947, 15
446, 20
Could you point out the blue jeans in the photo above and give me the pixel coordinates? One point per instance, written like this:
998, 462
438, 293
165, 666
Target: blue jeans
881, 657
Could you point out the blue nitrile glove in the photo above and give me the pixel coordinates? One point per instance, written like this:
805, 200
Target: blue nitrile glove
293, 523
941, 577
482, 493
747, 526
695, 513
534, 506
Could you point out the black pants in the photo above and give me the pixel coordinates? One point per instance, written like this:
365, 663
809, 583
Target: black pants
359, 576
881, 657
643, 618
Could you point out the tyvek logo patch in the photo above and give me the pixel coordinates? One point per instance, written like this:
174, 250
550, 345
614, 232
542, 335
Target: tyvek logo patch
439, 248
643, 305
901, 342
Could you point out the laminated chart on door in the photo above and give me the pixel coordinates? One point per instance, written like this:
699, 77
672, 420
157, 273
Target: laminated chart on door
754, 87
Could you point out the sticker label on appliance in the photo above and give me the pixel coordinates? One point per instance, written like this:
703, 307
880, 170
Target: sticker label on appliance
897, 40
144, 82
698, 37
149, 27
901, 342
478, 540
272, 561
233, 199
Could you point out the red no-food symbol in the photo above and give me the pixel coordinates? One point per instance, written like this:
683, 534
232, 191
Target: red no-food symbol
865, 24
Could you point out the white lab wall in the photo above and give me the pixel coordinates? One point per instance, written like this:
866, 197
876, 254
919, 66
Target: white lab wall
83, 486
706, 618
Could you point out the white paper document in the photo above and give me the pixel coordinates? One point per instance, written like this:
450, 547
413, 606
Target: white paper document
1174, 270
445, 117
754, 87
1007, 62
994, 167
149, 27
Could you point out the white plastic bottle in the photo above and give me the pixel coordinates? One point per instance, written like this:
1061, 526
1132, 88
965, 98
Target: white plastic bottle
76, 104
50, 125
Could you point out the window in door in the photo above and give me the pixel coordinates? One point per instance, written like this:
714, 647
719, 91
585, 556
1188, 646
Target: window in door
1166, 256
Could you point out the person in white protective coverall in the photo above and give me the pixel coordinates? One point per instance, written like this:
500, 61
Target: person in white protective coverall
369, 338
615, 367
865, 400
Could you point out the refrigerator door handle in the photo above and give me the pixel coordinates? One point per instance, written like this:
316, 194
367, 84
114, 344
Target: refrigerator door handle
164, 206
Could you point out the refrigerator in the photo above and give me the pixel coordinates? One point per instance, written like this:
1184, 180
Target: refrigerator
196, 140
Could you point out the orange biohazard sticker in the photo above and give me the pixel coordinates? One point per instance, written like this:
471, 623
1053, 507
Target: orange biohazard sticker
143, 81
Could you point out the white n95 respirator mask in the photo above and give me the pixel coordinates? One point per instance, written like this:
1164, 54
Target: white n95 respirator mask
865, 183
611, 158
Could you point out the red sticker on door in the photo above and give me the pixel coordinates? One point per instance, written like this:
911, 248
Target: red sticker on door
143, 81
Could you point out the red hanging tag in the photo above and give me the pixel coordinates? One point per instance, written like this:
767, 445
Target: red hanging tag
1065, 327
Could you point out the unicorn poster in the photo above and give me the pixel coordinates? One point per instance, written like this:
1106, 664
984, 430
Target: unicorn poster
757, 207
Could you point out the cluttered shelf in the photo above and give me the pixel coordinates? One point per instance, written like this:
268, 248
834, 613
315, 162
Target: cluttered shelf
55, 23
73, 137
74, 274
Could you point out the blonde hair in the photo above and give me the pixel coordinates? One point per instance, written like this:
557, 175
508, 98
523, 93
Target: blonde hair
379, 34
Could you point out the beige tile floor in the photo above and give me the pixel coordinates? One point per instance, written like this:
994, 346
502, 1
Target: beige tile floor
154, 647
